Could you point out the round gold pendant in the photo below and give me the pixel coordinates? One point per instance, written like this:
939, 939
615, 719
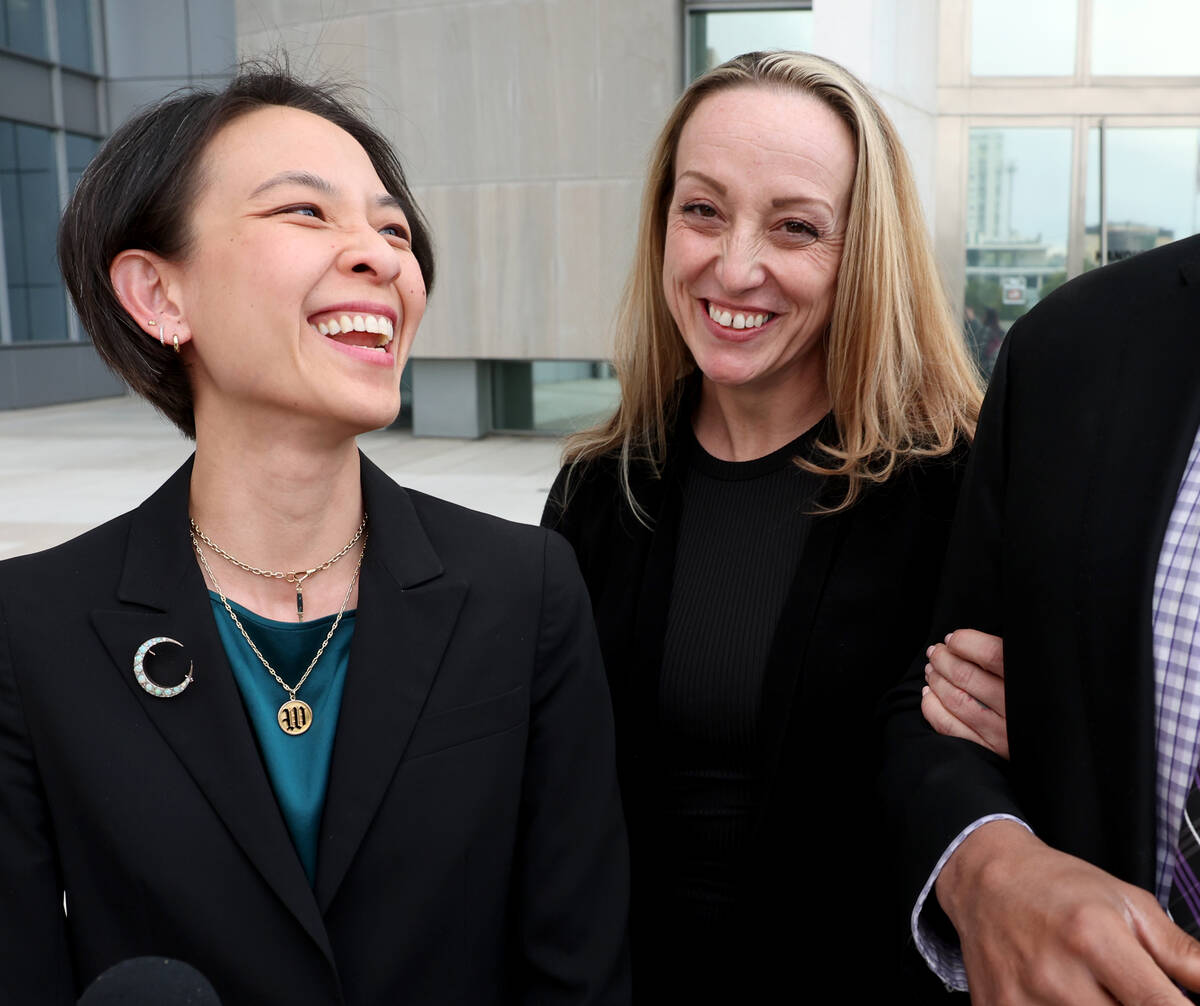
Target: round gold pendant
295, 717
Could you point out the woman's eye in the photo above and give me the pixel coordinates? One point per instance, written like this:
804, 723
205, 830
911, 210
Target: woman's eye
394, 231
800, 229
303, 210
703, 210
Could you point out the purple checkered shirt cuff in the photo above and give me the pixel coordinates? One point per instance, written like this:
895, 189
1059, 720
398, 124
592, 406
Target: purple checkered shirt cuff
945, 959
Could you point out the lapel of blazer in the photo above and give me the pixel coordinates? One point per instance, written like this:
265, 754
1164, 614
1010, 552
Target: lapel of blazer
205, 726
788, 657
663, 500
1137, 467
406, 614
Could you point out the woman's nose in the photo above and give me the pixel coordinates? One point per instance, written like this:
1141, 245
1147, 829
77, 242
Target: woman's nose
740, 265
368, 252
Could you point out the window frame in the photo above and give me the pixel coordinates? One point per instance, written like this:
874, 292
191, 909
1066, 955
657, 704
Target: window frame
691, 7
966, 101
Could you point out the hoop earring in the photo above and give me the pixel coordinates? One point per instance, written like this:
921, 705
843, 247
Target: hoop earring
176, 342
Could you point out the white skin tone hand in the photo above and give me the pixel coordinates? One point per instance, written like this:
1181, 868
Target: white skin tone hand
964, 691
1040, 926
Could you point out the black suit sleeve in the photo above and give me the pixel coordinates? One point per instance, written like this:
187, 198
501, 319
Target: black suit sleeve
34, 963
572, 876
935, 786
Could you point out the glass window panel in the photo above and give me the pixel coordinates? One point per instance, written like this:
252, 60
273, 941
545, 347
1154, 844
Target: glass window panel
8, 146
1091, 233
720, 35
1018, 209
10, 203
1150, 38
552, 396
47, 312
75, 33
80, 151
1152, 184
1023, 38
571, 395
29, 203
18, 312
23, 27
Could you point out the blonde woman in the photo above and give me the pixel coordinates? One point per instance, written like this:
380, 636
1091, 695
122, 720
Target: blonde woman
761, 525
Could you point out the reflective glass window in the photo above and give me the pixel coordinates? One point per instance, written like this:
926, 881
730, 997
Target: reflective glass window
80, 151
716, 36
1150, 38
1018, 217
1151, 190
75, 34
23, 27
552, 396
1023, 38
29, 205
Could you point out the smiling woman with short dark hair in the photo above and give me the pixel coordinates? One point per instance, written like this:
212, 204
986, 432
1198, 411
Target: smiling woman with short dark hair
325, 739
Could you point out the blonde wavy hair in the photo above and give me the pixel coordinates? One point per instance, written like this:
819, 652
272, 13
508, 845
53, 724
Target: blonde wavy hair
899, 376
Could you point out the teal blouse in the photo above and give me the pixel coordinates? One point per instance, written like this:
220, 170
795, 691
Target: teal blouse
297, 765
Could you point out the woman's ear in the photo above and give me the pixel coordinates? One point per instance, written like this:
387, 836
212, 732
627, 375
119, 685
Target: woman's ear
141, 281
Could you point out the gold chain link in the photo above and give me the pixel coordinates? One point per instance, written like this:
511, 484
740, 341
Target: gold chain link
245, 635
296, 575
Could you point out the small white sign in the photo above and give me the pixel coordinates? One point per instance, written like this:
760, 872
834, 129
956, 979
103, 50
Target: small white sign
1013, 289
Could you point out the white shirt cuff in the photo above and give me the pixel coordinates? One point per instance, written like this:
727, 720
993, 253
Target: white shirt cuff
945, 959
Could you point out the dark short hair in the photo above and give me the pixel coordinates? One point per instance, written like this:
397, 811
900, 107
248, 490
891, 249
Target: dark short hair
139, 190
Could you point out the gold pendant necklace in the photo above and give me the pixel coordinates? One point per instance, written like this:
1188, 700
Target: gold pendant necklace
295, 716
296, 576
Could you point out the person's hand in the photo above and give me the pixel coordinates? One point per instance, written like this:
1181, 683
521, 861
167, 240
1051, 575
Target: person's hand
964, 691
1040, 926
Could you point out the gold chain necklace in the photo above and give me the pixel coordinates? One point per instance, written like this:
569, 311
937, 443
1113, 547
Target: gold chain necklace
295, 716
296, 576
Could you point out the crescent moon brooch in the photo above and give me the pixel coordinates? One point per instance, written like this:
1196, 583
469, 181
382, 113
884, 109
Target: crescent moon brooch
148, 684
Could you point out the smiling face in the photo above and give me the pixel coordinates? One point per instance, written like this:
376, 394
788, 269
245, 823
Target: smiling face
299, 288
754, 233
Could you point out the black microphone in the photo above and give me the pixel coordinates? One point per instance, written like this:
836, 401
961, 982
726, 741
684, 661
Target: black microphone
150, 981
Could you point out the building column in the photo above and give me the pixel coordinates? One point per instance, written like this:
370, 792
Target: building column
452, 398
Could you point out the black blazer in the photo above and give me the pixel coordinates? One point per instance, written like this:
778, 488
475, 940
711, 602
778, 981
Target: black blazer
818, 885
1084, 437
472, 847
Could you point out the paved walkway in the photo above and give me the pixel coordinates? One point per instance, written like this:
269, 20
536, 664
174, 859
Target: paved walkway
66, 468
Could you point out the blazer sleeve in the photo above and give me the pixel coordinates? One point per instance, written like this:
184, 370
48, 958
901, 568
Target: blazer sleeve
935, 786
572, 874
35, 965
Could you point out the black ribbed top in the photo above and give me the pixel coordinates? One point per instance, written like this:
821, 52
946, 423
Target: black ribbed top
742, 531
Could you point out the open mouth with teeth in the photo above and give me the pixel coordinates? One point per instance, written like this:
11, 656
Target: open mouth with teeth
369, 331
737, 320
